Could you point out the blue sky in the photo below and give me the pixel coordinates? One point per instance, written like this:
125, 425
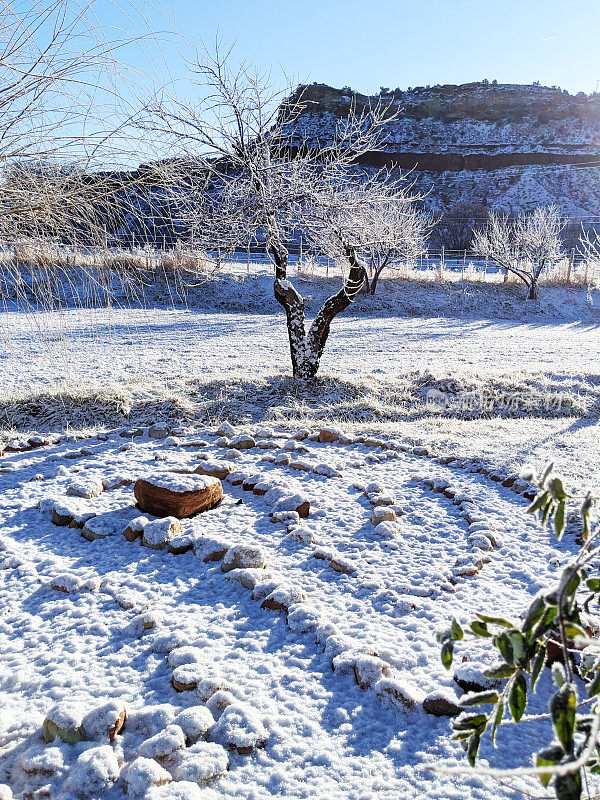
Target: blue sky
381, 42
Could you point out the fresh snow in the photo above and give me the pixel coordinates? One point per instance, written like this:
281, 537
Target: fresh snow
283, 686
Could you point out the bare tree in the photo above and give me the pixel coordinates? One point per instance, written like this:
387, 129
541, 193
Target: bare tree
62, 115
525, 246
374, 216
264, 182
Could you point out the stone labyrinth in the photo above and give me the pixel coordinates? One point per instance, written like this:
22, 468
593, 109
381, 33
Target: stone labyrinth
364, 548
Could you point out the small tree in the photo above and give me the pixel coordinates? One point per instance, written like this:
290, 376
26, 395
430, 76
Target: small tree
263, 181
525, 246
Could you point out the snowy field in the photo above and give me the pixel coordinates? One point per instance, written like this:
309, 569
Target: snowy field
317, 657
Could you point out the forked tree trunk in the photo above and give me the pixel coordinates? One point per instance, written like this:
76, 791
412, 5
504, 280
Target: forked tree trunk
306, 347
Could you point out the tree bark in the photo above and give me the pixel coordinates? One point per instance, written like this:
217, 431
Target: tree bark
306, 349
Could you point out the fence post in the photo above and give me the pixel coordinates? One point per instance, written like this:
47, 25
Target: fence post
571, 264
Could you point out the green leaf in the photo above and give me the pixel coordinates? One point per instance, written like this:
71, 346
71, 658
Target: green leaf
538, 665
497, 720
586, 508
495, 621
519, 647
480, 629
546, 473
593, 584
563, 706
559, 519
556, 489
500, 671
470, 722
540, 502
548, 757
447, 653
535, 612
517, 698
504, 645
545, 624
572, 630
480, 699
568, 787
473, 748
457, 631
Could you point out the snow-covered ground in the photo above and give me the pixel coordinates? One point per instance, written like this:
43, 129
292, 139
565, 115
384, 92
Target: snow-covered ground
325, 736
122, 616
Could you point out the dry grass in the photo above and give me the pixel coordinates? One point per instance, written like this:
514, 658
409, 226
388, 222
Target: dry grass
284, 400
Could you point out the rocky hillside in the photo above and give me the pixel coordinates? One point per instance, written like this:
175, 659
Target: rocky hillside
500, 146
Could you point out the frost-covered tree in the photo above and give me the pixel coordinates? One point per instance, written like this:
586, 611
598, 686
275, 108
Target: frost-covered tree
263, 181
525, 246
374, 219
61, 86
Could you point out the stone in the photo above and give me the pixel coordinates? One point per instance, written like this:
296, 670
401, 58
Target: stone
102, 724
176, 790
176, 495
342, 565
441, 704
99, 527
142, 774
327, 470
237, 478
420, 451
248, 578
202, 762
94, 772
226, 429
399, 691
150, 720
293, 502
284, 596
301, 465
242, 442
70, 514
40, 761
186, 677
163, 744
207, 549
211, 686
87, 489
64, 721
131, 433
181, 544
232, 454
244, 556
195, 722
156, 535
135, 528
222, 441
160, 430
68, 583
283, 460
250, 482
218, 701
328, 435
215, 469
383, 514
186, 654
240, 728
